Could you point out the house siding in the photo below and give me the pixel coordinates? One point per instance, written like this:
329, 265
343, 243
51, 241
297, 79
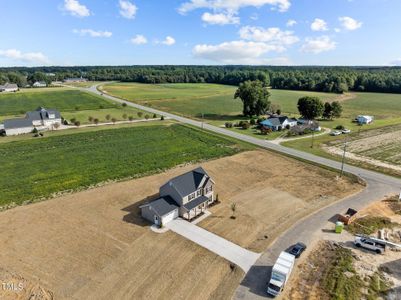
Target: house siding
17, 131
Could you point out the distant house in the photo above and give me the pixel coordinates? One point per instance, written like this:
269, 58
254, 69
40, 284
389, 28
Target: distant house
9, 87
42, 119
186, 196
278, 123
364, 119
39, 84
72, 80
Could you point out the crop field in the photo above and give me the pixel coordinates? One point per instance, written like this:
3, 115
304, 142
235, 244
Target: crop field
58, 98
38, 168
215, 102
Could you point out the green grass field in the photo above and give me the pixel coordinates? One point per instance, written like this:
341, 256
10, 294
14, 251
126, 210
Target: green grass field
215, 102
37, 168
59, 98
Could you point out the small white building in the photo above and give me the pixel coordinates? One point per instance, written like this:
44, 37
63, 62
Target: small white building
41, 119
39, 84
364, 119
9, 87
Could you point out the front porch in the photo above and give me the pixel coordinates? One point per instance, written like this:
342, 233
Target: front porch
196, 207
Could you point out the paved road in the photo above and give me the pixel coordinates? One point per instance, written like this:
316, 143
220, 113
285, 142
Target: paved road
378, 185
230, 251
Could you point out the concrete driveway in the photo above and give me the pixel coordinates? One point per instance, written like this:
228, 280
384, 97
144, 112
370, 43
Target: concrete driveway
230, 251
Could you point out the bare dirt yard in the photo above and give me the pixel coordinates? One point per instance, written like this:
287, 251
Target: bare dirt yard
94, 244
378, 147
271, 193
333, 268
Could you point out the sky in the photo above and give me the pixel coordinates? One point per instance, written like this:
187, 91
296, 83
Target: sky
200, 32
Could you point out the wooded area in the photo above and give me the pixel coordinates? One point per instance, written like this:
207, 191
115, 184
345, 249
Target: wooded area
325, 79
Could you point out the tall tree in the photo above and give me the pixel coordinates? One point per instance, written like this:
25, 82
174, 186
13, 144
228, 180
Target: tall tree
337, 109
328, 110
310, 107
254, 96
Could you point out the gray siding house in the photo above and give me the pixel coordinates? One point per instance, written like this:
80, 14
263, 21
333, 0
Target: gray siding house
42, 119
186, 196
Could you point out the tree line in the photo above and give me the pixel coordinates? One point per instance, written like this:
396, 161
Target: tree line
322, 79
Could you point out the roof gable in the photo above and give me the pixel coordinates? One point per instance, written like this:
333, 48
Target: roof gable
189, 182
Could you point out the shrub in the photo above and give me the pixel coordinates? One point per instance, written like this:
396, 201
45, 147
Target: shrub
154, 116
228, 125
36, 135
124, 104
90, 119
245, 125
340, 127
131, 118
72, 120
252, 121
162, 118
65, 122
77, 123
108, 117
265, 130
76, 107
114, 120
35, 130
288, 127
96, 121
278, 112
147, 117
140, 114
125, 116
41, 134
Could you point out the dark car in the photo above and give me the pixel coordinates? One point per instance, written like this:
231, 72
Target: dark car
297, 249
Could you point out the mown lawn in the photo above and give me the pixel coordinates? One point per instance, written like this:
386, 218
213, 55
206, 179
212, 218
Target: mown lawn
58, 98
37, 168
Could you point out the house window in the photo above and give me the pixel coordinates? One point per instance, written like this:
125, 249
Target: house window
198, 193
191, 196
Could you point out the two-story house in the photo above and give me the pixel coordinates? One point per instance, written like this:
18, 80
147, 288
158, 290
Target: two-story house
186, 196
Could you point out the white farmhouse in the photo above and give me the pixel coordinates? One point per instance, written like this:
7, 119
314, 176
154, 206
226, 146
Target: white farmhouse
41, 119
39, 84
9, 87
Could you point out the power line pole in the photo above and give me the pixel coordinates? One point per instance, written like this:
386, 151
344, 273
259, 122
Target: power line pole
343, 160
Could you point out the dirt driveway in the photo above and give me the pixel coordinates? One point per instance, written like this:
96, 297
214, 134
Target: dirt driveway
95, 245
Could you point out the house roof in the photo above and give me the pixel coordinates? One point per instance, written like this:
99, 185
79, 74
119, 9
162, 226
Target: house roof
39, 114
163, 205
277, 121
196, 202
189, 182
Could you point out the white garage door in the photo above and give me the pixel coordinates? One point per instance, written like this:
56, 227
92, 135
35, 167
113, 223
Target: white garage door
169, 217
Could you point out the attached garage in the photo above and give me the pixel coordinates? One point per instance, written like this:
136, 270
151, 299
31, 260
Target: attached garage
160, 211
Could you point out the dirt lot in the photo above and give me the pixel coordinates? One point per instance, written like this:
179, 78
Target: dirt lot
270, 195
94, 244
307, 281
379, 147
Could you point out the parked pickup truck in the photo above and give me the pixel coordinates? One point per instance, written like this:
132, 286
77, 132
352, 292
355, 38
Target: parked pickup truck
280, 273
370, 244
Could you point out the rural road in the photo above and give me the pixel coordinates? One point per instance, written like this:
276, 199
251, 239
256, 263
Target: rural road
253, 286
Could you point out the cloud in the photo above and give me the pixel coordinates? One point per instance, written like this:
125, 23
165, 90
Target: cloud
291, 23
127, 9
93, 33
168, 41
274, 36
76, 9
235, 52
396, 62
31, 57
318, 45
349, 23
232, 5
139, 40
220, 19
319, 25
